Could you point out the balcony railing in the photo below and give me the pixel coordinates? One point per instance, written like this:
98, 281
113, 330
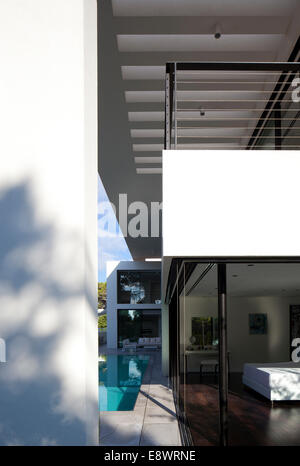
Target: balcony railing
220, 105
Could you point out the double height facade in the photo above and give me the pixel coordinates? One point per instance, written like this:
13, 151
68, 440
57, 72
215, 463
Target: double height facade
134, 302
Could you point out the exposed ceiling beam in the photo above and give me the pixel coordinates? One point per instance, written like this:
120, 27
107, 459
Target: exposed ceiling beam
147, 125
155, 160
161, 58
201, 25
198, 43
198, 84
143, 85
204, 8
146, 107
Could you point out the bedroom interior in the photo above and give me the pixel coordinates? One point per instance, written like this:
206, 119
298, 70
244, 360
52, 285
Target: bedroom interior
264, 384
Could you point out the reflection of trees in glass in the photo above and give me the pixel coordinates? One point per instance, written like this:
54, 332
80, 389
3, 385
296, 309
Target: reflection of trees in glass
137, 287
205, 330
130, 282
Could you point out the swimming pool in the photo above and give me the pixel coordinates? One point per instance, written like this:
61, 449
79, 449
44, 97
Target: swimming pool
120, 378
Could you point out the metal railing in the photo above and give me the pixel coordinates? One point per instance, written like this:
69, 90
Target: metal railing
236, 105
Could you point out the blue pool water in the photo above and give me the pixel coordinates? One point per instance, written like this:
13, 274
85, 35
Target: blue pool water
120, 378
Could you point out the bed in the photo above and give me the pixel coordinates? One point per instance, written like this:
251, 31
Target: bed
276, 381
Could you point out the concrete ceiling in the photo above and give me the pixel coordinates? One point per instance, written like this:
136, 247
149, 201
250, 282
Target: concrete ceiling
136, 39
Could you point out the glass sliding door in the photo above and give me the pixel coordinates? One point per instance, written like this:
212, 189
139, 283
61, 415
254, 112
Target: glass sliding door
199, 354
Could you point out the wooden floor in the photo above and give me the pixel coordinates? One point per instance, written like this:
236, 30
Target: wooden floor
252, 420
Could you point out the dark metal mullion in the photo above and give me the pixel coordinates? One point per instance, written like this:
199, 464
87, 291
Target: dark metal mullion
278, 129
292, 62
205, 272
167, 110
278, 95
223, 361
170, 66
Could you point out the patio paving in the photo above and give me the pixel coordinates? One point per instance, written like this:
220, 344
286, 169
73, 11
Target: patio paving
153, 420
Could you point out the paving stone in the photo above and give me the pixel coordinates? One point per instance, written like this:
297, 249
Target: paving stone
158, 416
123, 434
159, 435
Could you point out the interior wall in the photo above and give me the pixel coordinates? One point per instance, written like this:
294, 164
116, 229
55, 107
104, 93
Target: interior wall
48, 211
243, 347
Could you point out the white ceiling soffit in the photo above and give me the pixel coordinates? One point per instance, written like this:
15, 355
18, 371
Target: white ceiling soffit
147, 133
193, 96
202, 8
242, 77
147, 147
136, 72
199, 43
190, 132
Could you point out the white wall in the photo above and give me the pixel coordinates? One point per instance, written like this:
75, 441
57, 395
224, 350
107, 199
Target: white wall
112, 295
48, 235
243, 347
230, 203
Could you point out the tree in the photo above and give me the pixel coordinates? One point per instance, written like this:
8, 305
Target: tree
102, 321
101, 295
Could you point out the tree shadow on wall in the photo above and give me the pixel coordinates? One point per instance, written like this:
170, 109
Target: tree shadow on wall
41, 393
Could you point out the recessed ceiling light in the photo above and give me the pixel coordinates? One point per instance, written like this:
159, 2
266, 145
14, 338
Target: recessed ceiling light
218, 32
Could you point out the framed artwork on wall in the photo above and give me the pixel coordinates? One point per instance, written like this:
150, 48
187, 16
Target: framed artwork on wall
258, 324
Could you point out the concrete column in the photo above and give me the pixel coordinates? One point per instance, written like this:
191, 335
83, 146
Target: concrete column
48, 235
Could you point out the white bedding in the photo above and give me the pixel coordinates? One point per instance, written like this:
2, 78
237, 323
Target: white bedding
276, 381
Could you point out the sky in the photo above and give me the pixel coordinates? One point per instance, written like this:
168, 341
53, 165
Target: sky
111, 243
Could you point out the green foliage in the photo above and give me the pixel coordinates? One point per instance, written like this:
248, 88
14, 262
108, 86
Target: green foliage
101, 295
102, 321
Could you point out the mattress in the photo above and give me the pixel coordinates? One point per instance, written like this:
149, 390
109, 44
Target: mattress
276, 381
